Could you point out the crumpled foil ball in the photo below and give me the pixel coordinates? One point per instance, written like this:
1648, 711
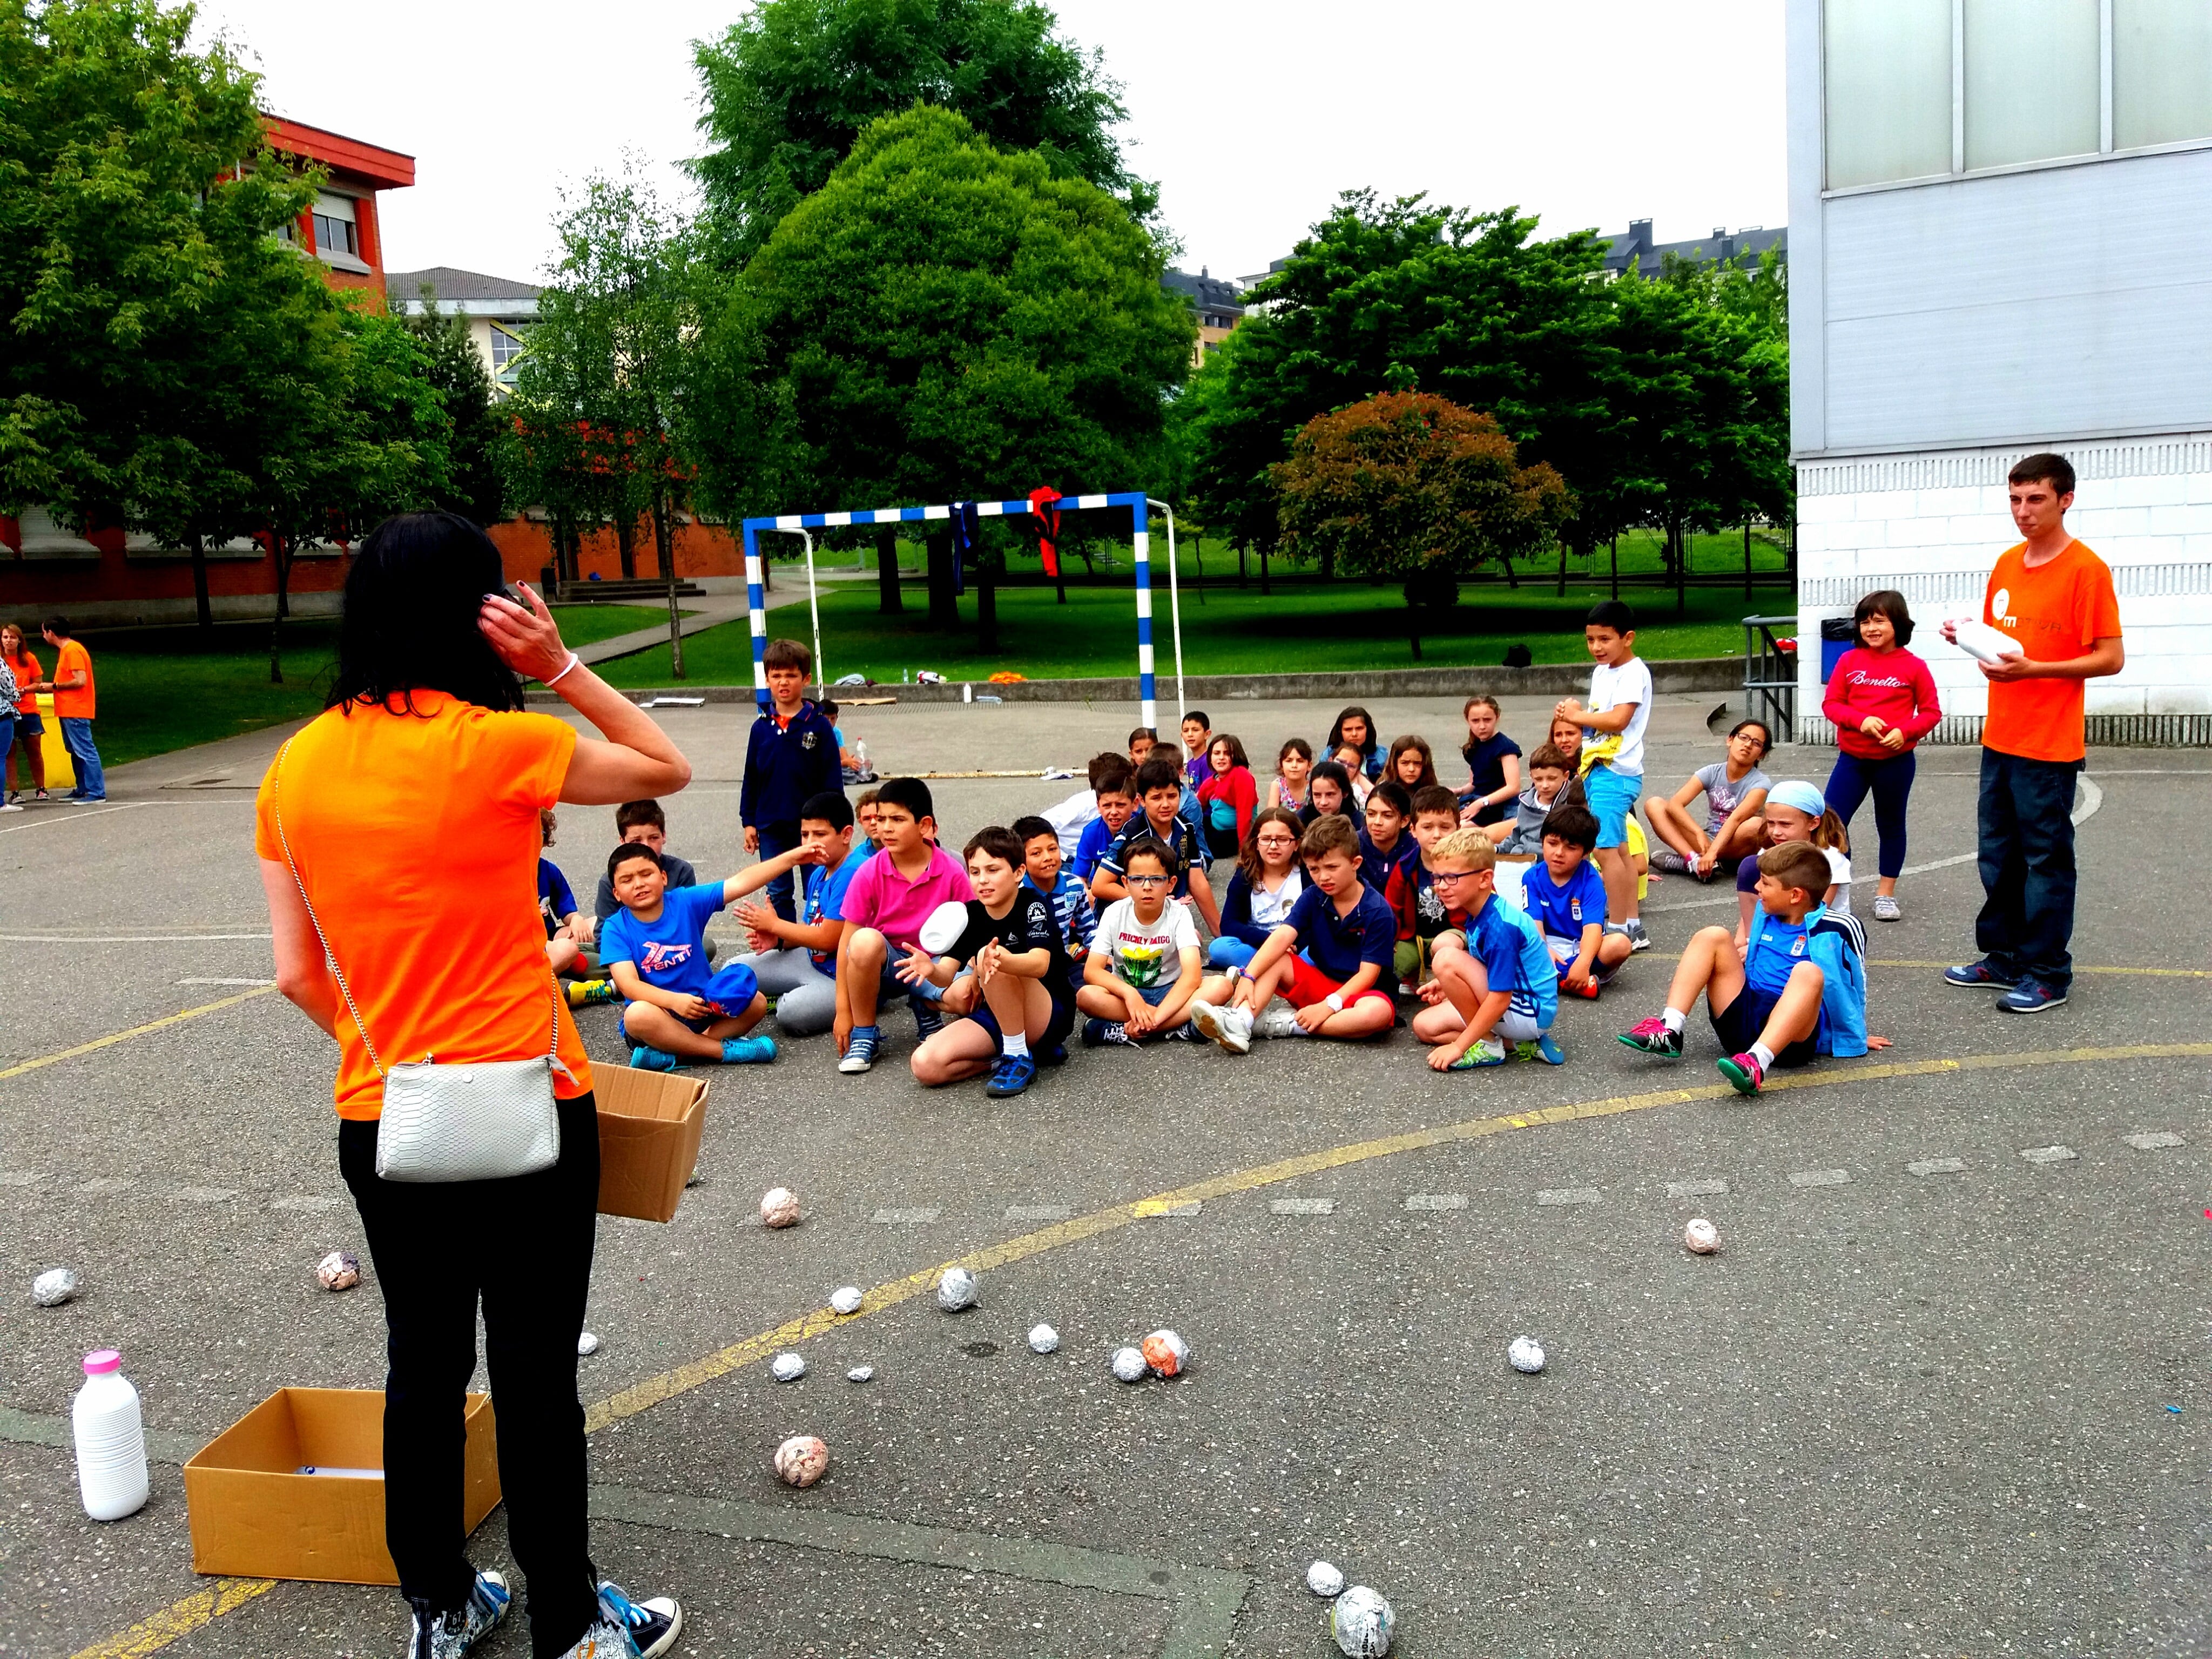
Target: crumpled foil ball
956, 1289
54, 1286
1128, 1364
1701, 1237
1166, 1352
779, 1207
1325, 1579
846, 1299
1043, 1339
1363, 1624
800, 1461
786, 1367
338, 1271
1526, 1355
860, 1374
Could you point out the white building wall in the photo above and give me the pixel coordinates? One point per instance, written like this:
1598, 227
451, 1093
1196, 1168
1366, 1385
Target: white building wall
1931, 525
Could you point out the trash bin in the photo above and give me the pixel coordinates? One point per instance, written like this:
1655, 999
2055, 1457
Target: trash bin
1838, 636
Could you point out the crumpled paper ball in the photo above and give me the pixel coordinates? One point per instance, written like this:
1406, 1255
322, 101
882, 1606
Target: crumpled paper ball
779, 1207
1526, 1355
587, 1343
846, 1299
800, 1461
1363, 1624
338, 1271
1043, 1339
1166, 1352
860, 1374
956, 1289
1701, 1237
1325, 1579
54, 1286
786, 1367
1128, 1364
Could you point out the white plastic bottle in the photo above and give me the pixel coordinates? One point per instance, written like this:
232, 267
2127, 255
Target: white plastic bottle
111, 1440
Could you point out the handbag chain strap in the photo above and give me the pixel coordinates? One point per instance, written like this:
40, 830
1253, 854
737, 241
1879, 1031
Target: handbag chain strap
330, 957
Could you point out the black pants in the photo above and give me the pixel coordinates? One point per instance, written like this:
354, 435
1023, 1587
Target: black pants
1891, 781
2027, 867
523, 1246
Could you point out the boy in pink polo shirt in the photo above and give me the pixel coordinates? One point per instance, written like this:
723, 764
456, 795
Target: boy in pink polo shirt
890, 897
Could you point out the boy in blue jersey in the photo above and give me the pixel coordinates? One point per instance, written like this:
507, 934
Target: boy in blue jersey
791, 756
1069, 898
1331, 959
1114, 788
796, 961
1798, 991
1565, 898
654, 948
1493, 982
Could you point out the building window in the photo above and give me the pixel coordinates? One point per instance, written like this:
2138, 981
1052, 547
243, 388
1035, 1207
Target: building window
335, 230
1921, 88
506, 347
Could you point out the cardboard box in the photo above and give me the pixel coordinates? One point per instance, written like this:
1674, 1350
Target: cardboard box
254, 1516
649, 1128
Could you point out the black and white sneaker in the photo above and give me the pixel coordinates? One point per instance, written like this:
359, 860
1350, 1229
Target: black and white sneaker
1637, 939
651, 1626
451, 1635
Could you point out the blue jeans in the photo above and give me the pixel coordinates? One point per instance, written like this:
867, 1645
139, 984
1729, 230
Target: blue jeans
2026, 834
76, 735
1891, 782
1225, 950
780, 838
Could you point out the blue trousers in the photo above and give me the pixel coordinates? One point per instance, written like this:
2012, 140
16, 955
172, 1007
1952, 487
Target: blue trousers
91, 781
780, 838
2026, 834
1891, 782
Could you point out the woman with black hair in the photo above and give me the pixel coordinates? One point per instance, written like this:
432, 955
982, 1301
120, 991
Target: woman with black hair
1882, 700
398, 833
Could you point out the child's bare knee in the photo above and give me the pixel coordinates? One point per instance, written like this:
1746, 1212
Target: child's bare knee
1808, 973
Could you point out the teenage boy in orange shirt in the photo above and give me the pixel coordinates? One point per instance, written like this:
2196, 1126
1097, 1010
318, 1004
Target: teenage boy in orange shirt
74, 707
2053, 597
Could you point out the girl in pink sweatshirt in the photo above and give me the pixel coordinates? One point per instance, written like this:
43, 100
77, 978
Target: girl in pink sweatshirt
1882, 700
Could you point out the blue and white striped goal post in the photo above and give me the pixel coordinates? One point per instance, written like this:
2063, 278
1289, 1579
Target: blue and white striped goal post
1137, 503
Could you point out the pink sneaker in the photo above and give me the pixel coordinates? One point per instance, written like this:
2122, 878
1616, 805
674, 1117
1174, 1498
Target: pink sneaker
1656, 1038
1744, 1073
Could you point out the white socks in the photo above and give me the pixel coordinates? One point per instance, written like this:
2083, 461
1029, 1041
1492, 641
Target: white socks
1676, 1019
1013, 1045
1763, 1055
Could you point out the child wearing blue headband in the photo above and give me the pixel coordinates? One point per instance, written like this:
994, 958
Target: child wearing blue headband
1797, 810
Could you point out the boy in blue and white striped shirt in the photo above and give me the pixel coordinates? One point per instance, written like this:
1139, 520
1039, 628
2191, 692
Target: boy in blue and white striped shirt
1069, 898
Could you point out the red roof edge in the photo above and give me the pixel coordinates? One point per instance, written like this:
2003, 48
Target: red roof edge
383, 169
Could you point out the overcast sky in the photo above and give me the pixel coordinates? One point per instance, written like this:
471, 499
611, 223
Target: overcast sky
1253, 119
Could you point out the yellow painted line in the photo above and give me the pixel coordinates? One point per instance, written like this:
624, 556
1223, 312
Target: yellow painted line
179, 1619
113, 1037
640, 1396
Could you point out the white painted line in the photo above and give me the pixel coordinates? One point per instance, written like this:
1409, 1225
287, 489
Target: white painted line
1303, 1206
306, 1201
108, 1184
919, 1214
1568, 1195
206, 1194
1038, 1212
1437, 1201
1701, 1188
138, 938
21, 1177
71, 814
2155, 1139
225, 981
1184, 1211
1928, 1166
1820, 1178
2049, 1154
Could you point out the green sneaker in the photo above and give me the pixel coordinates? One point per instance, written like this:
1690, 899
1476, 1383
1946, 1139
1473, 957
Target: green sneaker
1485, 1051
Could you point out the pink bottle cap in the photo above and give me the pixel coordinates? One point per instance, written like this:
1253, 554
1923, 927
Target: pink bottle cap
102, 1361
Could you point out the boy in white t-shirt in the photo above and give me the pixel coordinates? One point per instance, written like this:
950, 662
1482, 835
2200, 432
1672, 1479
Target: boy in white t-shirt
1613, 721
1143, 968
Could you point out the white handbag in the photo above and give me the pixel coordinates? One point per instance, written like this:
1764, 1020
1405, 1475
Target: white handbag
482, 1122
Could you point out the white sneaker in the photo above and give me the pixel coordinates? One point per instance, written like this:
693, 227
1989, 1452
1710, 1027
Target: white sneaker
1281, 1020
1884, 907
1229, 1027
10, 806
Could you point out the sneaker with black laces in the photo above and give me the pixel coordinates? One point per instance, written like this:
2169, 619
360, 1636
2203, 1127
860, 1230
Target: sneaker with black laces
1654, 1037
1637, 939
451, 1635
2032, 996
861, 1046
929, 1020
1013, 1074
1098, 1033
629, 1629
1983, 976
1743, 1072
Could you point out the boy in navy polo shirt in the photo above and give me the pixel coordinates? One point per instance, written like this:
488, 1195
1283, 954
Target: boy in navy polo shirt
1494, 983
791, 756
1331, 959
1160, 787
654, 948
1565, 898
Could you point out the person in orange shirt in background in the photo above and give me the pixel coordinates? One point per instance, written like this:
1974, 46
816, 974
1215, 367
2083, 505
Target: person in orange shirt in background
29, 727
74, 704
2053, 597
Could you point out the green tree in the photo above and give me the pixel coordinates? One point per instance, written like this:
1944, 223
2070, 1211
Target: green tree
475, 485
945, 320
788, 90
1410, 488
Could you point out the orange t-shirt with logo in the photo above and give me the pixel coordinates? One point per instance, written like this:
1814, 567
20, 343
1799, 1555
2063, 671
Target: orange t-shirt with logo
74, 705
26, 670
2052, 613
416, 835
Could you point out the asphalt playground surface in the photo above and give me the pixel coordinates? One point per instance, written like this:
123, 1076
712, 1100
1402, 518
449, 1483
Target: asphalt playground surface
1934, 1397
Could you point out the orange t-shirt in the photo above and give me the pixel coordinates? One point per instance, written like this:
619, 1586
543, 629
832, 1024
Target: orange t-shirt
77, 705
416, 835
26, 670
2053, 611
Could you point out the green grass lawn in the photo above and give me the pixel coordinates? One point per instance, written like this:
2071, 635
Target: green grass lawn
1341, 626
168, 688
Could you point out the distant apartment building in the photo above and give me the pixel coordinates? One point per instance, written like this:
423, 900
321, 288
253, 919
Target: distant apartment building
1218, 303
498, 312
1999, 210
1635, 250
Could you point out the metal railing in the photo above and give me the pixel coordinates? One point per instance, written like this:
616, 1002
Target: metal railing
1770, 675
